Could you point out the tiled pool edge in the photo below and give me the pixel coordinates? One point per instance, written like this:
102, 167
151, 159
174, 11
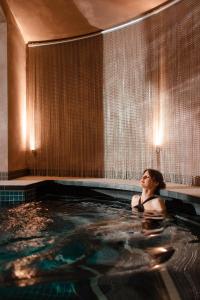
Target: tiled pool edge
12, 194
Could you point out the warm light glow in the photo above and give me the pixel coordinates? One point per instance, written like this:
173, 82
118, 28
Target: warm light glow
159, 124
156, 266
159, 108
161, 249
159, 137
32, 139
22, 268
32, 142
23, 122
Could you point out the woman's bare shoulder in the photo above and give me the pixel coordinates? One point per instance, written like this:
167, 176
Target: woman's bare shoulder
134, 200
159, 204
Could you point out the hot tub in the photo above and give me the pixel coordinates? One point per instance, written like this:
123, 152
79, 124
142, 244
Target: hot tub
86, 243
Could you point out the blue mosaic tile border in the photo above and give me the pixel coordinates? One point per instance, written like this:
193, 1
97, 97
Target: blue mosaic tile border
19, 194
12, 196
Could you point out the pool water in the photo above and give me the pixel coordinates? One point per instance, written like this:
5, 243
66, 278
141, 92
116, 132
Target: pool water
92, 246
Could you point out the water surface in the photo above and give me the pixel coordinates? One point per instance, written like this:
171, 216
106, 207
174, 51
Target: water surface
95, 248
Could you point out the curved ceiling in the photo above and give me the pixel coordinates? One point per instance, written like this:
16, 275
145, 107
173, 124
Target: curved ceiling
42, 20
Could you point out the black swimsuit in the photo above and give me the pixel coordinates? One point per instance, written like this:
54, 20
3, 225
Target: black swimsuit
140, 205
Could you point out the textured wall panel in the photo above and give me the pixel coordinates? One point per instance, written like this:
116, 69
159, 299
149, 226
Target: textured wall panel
3, 98
65, 108
153, 85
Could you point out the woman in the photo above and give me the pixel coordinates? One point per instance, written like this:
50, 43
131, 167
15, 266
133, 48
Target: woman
152, 181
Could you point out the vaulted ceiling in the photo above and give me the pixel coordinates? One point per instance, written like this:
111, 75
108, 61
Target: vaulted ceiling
40, 20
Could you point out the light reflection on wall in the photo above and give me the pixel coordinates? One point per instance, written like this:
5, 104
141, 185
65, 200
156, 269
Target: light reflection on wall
31, 127
159, 116
32, 140
159, 130
23, 122
159, 124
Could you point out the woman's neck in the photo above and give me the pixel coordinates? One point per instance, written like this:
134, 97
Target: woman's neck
146, 193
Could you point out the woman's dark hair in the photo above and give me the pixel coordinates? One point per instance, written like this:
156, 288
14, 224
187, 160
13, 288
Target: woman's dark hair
158, 177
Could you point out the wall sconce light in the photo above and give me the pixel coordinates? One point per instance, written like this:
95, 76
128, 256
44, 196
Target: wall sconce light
34, 152
32, 141
158, 149
158, 160
159, 139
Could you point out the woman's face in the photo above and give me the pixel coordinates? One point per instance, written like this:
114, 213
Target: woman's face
147, 182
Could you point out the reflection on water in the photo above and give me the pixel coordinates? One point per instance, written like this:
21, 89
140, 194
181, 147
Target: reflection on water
26, 220
44, 241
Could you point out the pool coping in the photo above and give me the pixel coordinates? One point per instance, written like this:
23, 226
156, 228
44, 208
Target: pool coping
28, 188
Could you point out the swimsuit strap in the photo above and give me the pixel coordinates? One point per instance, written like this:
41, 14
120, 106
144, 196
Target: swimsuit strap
140, 206
148, 199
